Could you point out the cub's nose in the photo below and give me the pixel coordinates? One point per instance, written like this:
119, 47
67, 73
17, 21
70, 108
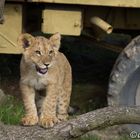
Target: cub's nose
46, 65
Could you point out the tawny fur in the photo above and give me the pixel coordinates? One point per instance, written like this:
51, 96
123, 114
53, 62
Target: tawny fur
56, 82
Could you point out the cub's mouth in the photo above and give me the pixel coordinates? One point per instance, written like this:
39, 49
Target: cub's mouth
41, 70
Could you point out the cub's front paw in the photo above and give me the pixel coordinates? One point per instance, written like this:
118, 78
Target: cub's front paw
29, 120
47, 121
62, 117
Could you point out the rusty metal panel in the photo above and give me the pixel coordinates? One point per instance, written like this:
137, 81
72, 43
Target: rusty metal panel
116, 3
10, 29
65, 21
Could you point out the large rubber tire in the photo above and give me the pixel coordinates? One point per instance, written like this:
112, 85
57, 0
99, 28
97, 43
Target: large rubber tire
124, 83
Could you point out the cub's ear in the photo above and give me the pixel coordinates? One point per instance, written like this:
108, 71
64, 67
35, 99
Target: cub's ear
55, 41
25, 40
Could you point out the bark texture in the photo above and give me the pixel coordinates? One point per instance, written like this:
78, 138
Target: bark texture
76, 127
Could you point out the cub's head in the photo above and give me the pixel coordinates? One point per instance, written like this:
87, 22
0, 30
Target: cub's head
40, 51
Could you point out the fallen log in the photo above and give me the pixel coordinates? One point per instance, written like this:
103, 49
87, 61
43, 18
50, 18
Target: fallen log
75, 127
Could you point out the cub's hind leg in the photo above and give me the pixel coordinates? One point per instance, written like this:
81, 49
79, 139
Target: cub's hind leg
64, 96
64, 101
63, 105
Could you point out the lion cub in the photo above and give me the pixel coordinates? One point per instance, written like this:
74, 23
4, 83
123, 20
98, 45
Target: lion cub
43, 67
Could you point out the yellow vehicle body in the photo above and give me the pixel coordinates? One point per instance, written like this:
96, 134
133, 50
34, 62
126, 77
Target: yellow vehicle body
69, 17
115, 3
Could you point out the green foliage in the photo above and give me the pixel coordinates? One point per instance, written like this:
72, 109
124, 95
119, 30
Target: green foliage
11, 111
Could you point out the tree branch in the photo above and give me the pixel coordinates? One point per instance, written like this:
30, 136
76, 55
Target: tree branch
76, 127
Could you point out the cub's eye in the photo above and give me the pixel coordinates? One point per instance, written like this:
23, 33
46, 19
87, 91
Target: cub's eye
38, 52
50, 52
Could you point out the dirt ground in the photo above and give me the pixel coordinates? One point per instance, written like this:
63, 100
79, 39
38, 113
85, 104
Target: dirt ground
91, 66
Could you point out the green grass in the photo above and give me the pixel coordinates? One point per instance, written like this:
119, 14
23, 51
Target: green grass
11, 111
